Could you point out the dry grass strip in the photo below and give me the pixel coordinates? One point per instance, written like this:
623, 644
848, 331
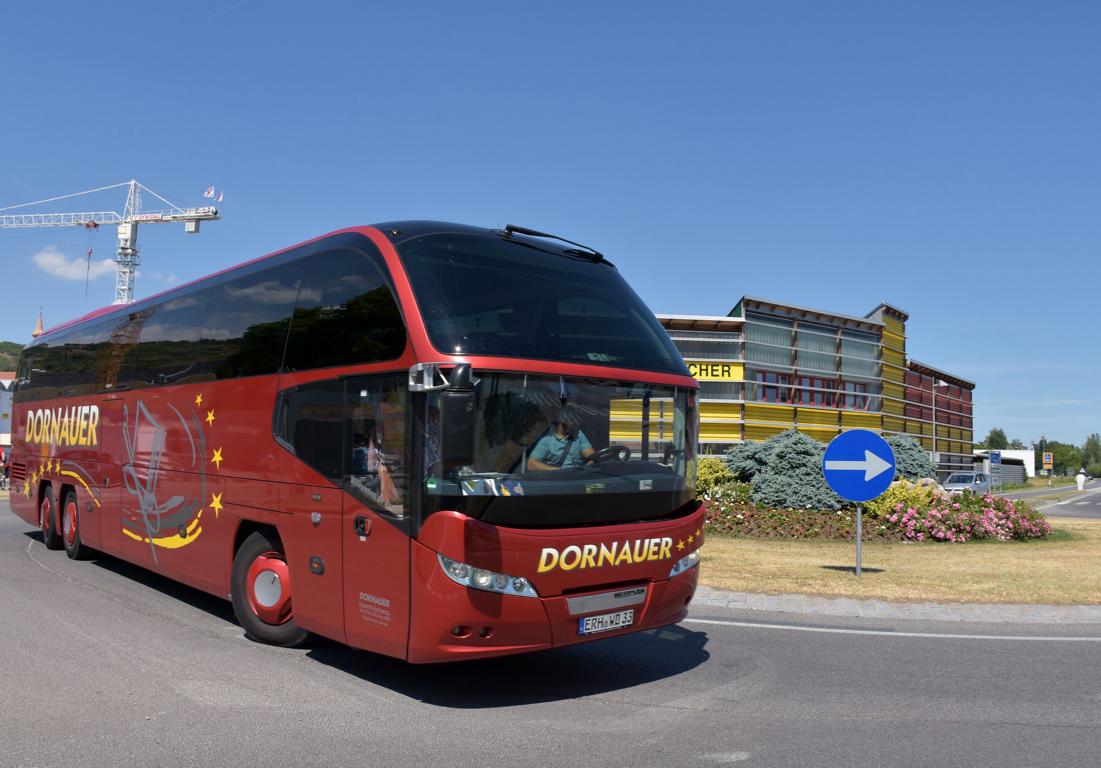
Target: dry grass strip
1065, 569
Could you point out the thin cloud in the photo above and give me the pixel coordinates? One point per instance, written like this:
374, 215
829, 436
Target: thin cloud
56, 264
158, 277
227, 9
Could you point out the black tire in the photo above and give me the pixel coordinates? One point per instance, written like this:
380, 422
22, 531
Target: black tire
262, 554
47, 519
70, 527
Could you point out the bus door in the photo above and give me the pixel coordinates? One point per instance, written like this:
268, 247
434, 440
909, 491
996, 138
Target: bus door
376, 514
108, 476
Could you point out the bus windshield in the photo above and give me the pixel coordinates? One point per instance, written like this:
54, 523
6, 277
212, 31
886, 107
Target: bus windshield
481, 294
553, 451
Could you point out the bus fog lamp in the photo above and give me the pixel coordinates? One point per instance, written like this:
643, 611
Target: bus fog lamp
489, 581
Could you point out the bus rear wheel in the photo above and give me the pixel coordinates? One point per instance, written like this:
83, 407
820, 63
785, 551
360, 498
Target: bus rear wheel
47, 519
70, 527
261, 590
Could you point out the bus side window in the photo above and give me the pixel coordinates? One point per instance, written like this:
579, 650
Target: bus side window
167, 343
377, 451
346, 313
310, 422
245, 327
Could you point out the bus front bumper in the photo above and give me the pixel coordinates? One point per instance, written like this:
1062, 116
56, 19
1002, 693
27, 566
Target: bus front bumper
451, 622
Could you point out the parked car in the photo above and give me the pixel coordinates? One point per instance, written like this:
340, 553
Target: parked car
958, 482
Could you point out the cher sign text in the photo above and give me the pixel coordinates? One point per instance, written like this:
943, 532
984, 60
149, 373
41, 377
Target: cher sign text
715, 370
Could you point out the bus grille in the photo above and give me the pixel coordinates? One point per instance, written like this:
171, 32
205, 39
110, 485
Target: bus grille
18, 472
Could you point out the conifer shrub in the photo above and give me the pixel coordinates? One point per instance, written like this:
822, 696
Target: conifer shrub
748, 459
911, 460
793, 478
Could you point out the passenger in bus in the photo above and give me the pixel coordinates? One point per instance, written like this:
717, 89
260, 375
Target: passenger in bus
564, 448
365, 458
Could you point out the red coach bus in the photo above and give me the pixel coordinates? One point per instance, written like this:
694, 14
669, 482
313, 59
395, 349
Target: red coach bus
426, 440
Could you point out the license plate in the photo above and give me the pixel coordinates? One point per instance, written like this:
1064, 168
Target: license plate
605, 622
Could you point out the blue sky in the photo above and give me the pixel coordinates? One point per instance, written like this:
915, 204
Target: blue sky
940, 156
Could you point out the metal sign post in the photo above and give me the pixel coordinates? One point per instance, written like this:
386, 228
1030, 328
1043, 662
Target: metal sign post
859, 466
859, 534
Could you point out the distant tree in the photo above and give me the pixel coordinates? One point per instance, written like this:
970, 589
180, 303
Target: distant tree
1017, 444
1091, 450
1068, 459
996, 440
9, 355
911, 460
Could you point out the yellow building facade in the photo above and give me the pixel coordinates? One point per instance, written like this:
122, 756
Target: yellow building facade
769, 366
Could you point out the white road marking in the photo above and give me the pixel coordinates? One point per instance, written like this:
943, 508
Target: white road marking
1080, 503
884, 633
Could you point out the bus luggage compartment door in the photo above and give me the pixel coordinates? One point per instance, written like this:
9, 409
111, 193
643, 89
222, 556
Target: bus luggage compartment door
315, 558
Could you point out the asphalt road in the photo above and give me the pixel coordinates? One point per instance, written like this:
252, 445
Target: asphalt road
1055, 490
103, 664
1080, 505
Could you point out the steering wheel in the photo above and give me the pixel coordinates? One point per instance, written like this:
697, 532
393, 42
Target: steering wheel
611, 453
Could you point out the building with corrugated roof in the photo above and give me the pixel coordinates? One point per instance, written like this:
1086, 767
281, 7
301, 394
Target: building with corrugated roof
769, 366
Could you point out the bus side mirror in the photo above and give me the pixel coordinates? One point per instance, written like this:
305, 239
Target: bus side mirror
457, 418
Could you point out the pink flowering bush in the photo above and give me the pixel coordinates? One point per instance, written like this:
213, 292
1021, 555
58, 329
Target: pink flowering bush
968, 516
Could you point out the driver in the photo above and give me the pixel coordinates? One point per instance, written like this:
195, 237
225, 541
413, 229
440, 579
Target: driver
564, 448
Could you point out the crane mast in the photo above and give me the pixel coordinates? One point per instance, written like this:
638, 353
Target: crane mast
127, 257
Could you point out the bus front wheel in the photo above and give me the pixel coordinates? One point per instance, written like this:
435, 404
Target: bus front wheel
47, 519
261, 592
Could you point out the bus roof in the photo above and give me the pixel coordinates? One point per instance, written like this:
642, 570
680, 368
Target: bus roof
396, 231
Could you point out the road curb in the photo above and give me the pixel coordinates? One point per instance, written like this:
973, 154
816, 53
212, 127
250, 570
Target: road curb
1008, 613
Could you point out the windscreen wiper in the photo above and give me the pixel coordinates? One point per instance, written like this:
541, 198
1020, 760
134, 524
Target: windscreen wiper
581, 250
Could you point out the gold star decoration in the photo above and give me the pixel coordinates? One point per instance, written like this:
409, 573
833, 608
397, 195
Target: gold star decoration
680, 545
199, 400
216, 503
57, 465
26, 487
216, 460
691, 538
210, 418
697, 533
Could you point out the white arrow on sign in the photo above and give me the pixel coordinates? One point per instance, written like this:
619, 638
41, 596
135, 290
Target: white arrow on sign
871, 466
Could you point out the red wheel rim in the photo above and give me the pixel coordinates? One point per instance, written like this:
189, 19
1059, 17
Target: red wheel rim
70, 523
44, 516
268, 586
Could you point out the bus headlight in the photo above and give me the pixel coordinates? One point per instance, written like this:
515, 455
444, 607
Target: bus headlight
489, 581
686, 562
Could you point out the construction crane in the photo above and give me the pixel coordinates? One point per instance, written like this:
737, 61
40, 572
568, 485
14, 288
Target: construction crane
132, 215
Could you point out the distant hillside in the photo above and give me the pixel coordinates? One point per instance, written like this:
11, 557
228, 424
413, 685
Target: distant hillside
9, 355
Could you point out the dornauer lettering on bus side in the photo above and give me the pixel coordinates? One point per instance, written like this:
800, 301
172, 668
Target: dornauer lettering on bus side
595, 556
73, 426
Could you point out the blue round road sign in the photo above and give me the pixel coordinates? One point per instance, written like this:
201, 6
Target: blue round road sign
859, 465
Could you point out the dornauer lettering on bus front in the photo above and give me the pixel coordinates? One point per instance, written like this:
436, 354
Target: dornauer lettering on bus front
595, 556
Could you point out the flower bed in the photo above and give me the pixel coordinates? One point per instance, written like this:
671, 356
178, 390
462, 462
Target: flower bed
969, 516
730, 512
930, 517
